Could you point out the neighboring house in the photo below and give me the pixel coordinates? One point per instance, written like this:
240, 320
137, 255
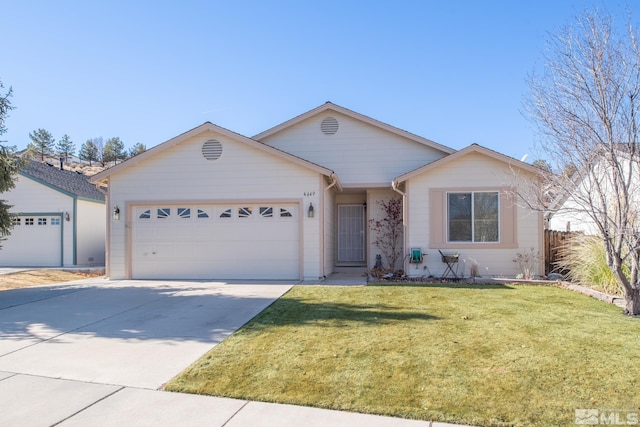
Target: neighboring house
59, 219
294, 202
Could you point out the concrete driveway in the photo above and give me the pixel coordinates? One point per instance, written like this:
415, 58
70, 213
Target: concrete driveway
96, 352
129, 333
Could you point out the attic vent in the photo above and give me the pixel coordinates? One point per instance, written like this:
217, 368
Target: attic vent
329, 126
212, 149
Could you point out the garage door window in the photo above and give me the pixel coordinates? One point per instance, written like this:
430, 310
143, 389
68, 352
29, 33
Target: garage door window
145, 214
285, 213
15, 221
226, 213
164, 213
184, 213
266, 212
55, 221
202, 214
42, 221
245, 212
28, 221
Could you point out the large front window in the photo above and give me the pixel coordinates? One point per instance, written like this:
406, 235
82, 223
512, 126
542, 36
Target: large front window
473, 216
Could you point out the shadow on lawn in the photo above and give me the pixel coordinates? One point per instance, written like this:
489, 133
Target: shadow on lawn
297, 311
445, 285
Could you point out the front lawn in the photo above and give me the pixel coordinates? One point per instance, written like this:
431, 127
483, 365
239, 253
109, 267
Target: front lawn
471, 354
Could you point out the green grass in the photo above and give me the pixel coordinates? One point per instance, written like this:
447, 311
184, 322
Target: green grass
472, 354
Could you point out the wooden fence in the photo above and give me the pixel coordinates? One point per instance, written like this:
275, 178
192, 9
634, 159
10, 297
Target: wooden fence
553, 242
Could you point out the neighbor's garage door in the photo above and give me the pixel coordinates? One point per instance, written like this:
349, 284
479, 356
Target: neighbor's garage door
248, 241
35, 241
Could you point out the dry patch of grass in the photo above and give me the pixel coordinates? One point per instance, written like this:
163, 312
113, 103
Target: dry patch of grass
471, 354
28, 278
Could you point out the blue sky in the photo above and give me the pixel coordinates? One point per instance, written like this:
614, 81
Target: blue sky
451, 71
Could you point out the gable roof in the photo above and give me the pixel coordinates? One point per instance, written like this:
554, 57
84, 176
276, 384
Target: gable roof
328, 106
473, 148
65, 181
101, 177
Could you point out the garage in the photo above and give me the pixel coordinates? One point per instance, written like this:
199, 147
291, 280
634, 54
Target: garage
35, 241
216, 241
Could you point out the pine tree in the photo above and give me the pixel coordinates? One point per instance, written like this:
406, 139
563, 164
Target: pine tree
66, 147
88, 151
8, 166
114, 150
138, 148
42, 142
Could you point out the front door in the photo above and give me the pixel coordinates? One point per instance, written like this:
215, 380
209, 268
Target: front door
351, 235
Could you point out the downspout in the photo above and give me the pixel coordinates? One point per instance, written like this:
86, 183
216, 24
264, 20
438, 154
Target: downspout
334, 181
394, 186
107, 237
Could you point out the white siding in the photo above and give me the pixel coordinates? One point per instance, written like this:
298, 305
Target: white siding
329, 231
90, 233
242, 173
359, 153
30, 196
469, 172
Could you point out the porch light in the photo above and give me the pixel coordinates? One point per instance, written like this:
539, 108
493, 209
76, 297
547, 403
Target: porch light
116, 213
310, 211
67, 217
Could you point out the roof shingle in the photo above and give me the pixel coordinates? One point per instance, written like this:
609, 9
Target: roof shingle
67, 181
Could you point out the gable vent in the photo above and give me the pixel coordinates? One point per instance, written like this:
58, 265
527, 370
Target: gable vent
212, 149
329, 126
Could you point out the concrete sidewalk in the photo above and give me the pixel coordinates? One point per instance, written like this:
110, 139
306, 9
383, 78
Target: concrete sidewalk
95, 352
37, 401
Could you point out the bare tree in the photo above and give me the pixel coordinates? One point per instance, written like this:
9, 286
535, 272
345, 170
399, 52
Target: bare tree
388, 231
585, 104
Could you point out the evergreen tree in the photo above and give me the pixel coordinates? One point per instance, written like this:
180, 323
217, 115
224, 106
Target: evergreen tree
42, 142
8, 166
114, 150
66, 147
88, 151
138, 148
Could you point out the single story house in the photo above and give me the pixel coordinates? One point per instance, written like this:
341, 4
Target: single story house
59, 219
295, 202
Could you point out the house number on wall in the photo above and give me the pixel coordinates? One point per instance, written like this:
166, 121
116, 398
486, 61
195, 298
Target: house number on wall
309, 193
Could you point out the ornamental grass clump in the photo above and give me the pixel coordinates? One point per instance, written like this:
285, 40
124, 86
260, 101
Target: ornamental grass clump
585, 258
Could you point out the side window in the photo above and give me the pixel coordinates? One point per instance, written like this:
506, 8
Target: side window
473, 217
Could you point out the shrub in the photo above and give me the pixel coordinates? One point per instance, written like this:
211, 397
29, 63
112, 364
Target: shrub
585, 258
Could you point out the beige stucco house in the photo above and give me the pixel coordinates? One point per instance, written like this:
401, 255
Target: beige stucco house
294, 202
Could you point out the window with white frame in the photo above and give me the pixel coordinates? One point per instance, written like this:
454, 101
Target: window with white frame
473, 216
42, 221
55, 221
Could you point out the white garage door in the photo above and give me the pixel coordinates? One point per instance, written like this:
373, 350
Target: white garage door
248, 241
35, 241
